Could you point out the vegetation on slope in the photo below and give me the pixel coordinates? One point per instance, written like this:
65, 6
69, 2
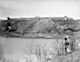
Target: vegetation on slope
48, 26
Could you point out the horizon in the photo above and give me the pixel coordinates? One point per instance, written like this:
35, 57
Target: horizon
40, 17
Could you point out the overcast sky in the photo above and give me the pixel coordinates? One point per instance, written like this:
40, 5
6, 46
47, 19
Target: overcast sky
42, 8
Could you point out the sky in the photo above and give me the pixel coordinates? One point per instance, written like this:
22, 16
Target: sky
41, 8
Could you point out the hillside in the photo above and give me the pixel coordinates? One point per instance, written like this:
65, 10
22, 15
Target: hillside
41, 26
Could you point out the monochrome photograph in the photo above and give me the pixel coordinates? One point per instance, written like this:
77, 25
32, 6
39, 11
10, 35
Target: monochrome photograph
39, 30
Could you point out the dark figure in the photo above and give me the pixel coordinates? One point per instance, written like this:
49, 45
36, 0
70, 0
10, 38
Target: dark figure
8, 26
66, 43
70, 46
8, 18
65, 39
66, 47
